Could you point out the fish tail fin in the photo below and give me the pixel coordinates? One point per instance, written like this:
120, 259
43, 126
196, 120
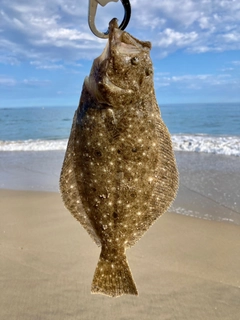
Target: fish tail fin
113, 278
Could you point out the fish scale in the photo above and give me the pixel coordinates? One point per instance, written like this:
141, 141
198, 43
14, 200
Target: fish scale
119, 173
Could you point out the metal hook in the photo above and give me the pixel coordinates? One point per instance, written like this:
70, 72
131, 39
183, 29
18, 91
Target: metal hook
92, 13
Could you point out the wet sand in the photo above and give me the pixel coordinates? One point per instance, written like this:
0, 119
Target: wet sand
206, 180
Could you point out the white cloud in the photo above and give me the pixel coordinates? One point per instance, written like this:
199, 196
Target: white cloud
69, 34
7, 81
57, 29
35, 82
190, 77
208, 25
181, 12
9, 60
232, 37
204, 22
196, 81
227, 69
170, 37
46, 30
49, 66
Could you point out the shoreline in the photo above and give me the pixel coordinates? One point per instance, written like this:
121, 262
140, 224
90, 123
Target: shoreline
209, 185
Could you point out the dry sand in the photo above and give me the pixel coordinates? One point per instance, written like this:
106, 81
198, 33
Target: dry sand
185, 268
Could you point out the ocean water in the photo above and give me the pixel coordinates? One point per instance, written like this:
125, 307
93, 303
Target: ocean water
211, 128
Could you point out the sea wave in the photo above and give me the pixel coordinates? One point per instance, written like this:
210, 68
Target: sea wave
33, 145
191, 143
200, 143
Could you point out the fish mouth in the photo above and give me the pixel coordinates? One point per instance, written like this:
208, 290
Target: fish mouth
120, 42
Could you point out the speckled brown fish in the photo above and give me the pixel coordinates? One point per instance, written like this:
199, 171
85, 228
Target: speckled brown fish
119, 173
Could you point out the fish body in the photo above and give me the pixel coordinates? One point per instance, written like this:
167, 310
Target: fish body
119, 173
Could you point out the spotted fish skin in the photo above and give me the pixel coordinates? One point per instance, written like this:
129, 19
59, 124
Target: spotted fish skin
119, 173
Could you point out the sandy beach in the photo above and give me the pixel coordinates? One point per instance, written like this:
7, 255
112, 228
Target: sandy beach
187, 266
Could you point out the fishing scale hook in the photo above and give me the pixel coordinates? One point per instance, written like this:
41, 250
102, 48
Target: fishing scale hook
92, 9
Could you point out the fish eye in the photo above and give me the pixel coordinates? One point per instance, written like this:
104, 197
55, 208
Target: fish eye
134, 60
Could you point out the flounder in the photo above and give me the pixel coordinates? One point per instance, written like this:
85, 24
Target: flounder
119, 173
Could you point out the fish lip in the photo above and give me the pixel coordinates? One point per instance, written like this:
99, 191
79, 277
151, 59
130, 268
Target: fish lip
120, 42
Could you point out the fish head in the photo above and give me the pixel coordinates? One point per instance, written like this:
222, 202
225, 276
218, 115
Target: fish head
123, 69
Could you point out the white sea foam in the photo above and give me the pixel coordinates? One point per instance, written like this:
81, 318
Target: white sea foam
209, 144
191, 143
33, 145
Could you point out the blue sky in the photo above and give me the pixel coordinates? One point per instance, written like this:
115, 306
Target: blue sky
47, 48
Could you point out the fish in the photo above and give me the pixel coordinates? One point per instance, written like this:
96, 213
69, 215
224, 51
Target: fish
119, 172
